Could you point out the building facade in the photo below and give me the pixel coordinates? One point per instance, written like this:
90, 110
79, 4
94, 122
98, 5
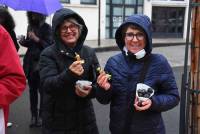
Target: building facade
169, 17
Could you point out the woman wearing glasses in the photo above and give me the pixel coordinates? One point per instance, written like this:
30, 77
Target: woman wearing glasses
67, 106
134, 112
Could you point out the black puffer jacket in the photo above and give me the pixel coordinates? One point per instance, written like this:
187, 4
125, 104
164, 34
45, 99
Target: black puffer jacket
62, 108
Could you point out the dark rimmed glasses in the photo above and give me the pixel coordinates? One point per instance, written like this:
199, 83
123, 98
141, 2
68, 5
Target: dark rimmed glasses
129, 36
72, 27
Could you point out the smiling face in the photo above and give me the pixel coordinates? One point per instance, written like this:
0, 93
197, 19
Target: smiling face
134, 39
69, 33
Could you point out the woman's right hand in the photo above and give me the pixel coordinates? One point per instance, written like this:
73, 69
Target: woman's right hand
77, 68
21, 38
144, 105
102, 81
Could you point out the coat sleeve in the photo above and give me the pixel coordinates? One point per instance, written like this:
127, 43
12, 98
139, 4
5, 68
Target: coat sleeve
45, 36
25, 42
167, 95
93, 74
12, 78
104, 97
51, 78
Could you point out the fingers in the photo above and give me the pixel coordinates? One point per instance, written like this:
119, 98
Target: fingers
83, 92
33, 36
77, 68
101, 78
102, 81
143, 105
87, 88
147, 102
79, 93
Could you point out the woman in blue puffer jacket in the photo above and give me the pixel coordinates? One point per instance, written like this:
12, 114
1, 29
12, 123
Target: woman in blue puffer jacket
136, 64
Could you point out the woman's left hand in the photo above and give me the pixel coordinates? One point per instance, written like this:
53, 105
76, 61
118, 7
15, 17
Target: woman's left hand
83, 92
144, 105
32, 36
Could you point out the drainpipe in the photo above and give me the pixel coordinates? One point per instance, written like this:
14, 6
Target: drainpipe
99, 24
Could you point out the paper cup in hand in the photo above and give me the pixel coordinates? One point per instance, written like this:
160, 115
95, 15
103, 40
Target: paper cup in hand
144, 92
82, 83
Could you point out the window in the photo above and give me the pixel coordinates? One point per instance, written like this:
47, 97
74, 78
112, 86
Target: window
129, 11
65, 1
117, 11
130, 1
117, 1
168, 0
92, 2
107, 10
140, 2
168, 22
107, 1
140, 10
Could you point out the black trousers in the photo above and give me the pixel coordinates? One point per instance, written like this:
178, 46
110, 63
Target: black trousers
34, 91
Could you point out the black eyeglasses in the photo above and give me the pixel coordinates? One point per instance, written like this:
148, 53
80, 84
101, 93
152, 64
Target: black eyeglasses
72, 27
129, 36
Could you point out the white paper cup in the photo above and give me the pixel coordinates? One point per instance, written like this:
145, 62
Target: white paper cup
82, 83
141, 86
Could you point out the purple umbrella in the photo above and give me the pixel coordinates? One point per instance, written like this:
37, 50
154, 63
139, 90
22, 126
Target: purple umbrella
45, 7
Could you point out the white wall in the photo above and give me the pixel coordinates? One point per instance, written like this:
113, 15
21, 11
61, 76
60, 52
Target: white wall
90, 16
20, 21
147, 8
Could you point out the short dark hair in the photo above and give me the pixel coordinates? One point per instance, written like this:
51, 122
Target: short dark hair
40, 17
132, 26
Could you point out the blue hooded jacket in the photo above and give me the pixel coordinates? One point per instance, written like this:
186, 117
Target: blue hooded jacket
125, 73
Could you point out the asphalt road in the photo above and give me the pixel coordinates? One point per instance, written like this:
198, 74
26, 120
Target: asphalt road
20, 113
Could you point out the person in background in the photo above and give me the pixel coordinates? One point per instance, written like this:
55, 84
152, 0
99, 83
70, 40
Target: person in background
67, 106
7, 21
13, 80
137, 65
38, 37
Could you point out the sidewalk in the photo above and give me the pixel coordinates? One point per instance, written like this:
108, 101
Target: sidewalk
110, 45
172, 49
